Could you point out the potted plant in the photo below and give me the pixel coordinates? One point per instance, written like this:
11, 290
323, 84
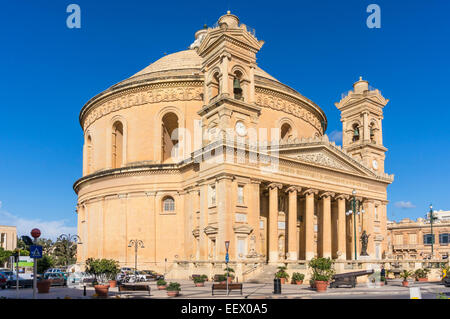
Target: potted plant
199, 281
421, 274
161, 284
230, 272
101, 269
297, 278
222, 279
204, 277
282, 274
322, 272
173, 289
405, 274
111, 269
43, 286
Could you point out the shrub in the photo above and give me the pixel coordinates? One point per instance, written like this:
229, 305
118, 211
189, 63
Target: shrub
281, 273
221, 278
161, 282
173, 286
199, 280
321, 268
44, 263
102, 269
230, 272
421, 273
296, 276
405, 274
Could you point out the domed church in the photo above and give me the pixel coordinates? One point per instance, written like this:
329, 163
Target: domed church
203, 147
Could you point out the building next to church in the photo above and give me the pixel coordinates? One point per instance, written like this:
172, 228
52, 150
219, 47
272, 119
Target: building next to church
203, 146
412, 239
8, 237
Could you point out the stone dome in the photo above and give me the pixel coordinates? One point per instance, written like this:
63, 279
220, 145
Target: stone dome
186, 62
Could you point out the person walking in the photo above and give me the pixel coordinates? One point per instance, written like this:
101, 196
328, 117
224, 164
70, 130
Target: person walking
383, 274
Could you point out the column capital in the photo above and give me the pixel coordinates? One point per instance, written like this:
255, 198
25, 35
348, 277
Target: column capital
275, 185
326, 194
224, 177
342, 196
293, 188
255, 181
310, 191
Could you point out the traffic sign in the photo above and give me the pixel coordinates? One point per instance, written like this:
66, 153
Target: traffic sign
35, 251
227, 257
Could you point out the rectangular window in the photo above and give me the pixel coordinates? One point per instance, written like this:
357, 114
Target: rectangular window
376, 212
240, 195
399, 239
412, 239
428, 239
443, 239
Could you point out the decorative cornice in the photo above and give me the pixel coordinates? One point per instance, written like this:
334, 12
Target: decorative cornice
326, 194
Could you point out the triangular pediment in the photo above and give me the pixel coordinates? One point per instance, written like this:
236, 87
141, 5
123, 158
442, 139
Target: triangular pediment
238, 36
324, 155
243, 229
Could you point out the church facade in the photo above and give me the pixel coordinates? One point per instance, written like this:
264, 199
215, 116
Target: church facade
203, 147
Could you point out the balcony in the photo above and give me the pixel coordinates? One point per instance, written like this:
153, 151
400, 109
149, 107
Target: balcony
405, 247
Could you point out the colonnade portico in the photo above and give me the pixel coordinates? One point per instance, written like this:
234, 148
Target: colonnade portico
333, 225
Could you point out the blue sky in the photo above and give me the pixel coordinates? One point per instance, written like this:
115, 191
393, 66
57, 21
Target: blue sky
318, 47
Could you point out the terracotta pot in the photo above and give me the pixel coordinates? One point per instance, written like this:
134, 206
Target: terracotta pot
405, 283
321, 286
172, 293
43, 286
101, 290
199, 284
283, 281
112, 283
162, 287
423, 279
381, 283
299, 282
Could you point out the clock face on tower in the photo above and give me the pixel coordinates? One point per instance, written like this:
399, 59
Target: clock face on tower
375, 164
240, 128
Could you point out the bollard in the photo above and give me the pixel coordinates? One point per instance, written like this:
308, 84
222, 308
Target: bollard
84, 290
277, 286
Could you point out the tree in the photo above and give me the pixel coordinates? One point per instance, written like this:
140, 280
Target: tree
47, 245
4, 256
65, 252
45, 263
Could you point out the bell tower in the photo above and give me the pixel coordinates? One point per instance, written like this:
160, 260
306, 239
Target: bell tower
229, 61
361, 117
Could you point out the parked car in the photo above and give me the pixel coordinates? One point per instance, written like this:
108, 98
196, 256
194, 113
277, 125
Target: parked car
7, 273
3, 281
153, 275
447, 281
56, 279
25, 280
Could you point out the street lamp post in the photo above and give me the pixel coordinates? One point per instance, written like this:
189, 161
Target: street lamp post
69, 238
432, 218
136, 243
356, 205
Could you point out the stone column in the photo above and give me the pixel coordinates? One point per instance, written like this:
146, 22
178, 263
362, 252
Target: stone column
224, 216
251, 95
224, 70
273, 221
254, 214
309, 223
203, 238
368, 227
326, 224
341, 231
292, 222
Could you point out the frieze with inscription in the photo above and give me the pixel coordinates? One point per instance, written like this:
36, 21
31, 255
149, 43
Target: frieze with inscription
153, 94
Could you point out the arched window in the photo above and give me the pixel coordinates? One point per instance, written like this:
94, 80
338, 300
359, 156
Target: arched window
168, 204
169, 136
117, 144
89, 155
372, 132
355, 133
237, 86
215, 85
286, 132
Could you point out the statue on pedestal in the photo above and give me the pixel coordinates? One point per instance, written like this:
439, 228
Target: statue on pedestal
364, 241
